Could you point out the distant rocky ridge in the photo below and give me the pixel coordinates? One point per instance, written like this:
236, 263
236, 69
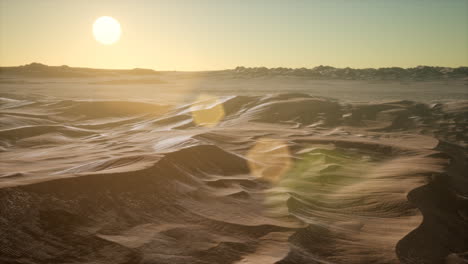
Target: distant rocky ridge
41, 70
420, 73
328, 72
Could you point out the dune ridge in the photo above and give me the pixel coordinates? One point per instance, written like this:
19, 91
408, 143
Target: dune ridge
283, 178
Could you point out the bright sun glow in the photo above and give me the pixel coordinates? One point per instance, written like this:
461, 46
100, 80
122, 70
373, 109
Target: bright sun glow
106, 30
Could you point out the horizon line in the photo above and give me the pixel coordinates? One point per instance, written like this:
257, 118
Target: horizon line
247, 67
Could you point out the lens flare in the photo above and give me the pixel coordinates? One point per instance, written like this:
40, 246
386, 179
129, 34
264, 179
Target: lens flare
207, 111
269, 159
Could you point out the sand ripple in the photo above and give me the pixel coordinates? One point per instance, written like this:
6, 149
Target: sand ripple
286, 178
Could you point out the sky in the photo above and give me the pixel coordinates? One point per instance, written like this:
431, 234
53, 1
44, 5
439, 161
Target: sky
221, 34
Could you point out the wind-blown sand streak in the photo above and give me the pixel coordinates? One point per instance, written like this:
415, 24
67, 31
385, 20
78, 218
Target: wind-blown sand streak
286, 178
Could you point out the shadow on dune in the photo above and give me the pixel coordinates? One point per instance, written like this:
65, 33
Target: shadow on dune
133, 182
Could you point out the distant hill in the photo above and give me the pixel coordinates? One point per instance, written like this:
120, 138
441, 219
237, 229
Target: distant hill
38, 70
327, 72
420, 73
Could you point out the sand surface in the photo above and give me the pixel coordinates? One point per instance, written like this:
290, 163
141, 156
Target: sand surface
182, 169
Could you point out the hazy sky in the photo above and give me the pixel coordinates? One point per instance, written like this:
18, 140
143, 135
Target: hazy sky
220, 34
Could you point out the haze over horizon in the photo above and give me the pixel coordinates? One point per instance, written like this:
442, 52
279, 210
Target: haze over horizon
242, 67
210, 35
233, 132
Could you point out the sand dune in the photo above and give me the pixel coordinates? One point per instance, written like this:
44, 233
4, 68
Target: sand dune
286, 178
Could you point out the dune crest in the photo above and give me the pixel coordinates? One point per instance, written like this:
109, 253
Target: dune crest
285, 178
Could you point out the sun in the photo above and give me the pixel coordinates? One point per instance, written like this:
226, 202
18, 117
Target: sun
106, 30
